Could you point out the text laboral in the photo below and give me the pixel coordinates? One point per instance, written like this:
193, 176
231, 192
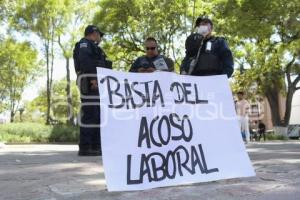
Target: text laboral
161, 129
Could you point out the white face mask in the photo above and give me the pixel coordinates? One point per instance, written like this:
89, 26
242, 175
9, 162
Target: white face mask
203, 30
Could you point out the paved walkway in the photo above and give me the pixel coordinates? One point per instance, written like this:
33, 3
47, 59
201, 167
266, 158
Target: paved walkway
50, 172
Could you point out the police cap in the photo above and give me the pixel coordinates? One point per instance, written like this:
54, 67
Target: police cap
91, 29
204, 20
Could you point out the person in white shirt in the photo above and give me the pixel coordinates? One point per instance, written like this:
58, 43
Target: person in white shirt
242, 109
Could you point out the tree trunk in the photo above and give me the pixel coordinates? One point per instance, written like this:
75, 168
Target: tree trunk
288, 106
70, 115
48, 83
272, 95
280, 124
49, 57
12, 116
21, 116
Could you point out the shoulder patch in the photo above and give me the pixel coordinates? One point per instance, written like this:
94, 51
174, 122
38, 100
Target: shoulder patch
83, 45
221, 38
196, 36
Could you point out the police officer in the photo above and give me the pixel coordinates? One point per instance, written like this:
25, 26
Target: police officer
205, 53
152, 60
87, 56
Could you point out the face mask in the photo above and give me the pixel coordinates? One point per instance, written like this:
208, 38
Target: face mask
203, 30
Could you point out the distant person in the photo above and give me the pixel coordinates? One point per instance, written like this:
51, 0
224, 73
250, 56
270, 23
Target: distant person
261, 130
252, 130
87, 56
152, 60
242, 109
206, 54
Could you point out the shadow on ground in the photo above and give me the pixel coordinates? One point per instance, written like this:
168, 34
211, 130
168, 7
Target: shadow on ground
56, 172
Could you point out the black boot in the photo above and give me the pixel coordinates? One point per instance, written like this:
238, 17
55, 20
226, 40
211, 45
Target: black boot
88, 150
96, 149
83, 150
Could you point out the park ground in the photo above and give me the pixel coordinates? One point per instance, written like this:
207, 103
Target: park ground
54, 172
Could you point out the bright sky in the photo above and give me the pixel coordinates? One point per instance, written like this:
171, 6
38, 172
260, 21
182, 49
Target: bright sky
59, 73
59, 68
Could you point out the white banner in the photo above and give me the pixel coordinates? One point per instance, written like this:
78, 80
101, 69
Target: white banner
162, 129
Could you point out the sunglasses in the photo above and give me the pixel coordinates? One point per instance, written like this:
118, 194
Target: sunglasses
150, 48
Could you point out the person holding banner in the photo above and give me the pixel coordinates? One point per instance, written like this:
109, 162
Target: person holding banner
152, 61
205, 53
87, 56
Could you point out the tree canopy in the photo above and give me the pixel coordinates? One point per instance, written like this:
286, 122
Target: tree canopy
263, 35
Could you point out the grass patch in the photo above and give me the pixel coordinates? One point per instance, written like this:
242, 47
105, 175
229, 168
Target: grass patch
64, 133
37, 133
272, 136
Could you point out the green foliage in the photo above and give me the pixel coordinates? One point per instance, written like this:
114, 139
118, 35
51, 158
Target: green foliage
266, 36
48, 20
276, 137
266, 67
18, 68
38, 133
59, 101
64, 133
24, 132
131, 22
41, 17
78, 14
6, 8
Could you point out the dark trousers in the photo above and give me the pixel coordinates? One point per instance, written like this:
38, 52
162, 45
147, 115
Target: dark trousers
90, 121
261, 133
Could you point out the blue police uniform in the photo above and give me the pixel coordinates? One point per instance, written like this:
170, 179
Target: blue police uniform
87, 56
159, 62
215, 57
